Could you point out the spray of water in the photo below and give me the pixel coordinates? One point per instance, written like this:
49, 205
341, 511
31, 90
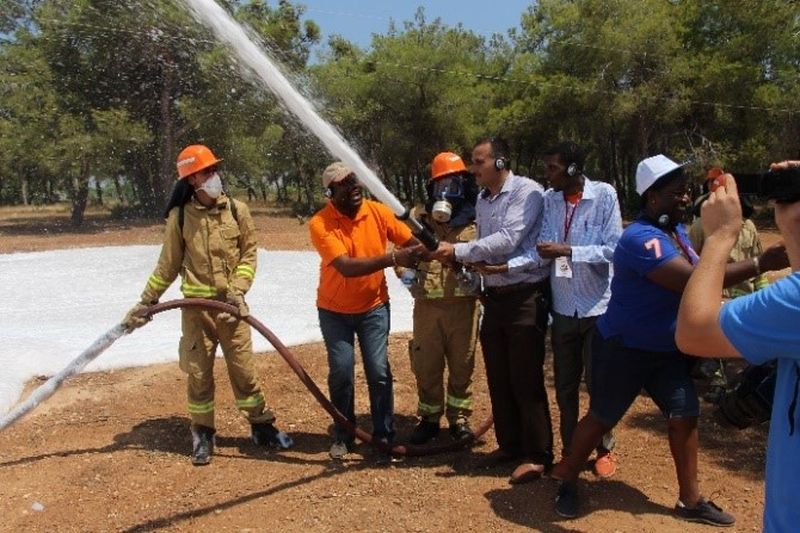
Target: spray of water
47, 389
227, 30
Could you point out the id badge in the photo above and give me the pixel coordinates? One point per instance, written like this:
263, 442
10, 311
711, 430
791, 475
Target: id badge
563, 268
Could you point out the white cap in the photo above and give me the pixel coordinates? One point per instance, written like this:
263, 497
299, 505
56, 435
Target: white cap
651, 169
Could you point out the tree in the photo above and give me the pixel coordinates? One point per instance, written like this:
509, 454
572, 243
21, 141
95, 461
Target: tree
412, 95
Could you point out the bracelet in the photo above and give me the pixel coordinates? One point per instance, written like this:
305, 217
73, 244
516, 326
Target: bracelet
757, 265
394, 258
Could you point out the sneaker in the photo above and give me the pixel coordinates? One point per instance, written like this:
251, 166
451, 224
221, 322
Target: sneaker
460, 431
567, 500
424, 431
270, 436
202, 444
706, 512
605, 465
339, 450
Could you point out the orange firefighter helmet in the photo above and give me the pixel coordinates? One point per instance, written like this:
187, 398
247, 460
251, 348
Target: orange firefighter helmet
445, 164
195, 158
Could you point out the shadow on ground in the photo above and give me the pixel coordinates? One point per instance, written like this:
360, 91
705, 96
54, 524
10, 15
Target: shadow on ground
516, 504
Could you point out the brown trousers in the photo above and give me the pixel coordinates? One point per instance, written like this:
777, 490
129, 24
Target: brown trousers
201, 334
512, 337
445, 333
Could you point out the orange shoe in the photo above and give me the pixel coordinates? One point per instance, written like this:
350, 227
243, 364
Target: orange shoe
605, 465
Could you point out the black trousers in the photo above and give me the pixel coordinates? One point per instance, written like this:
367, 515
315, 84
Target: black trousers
512, 337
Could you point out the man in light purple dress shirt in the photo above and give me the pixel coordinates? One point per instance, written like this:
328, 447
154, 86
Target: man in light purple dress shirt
509, 217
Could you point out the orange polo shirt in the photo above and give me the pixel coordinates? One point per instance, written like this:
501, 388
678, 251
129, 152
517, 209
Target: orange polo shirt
334, 235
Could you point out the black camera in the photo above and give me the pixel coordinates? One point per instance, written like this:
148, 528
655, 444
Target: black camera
750, 402
783, 186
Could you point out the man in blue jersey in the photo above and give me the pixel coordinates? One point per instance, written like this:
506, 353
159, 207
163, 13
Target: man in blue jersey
759, 327
634, 347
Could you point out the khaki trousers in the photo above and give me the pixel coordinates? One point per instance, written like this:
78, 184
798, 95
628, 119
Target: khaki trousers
445, 333
201, 334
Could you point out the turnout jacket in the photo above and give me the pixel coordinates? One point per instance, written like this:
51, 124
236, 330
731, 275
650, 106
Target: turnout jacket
435, 280
213, 251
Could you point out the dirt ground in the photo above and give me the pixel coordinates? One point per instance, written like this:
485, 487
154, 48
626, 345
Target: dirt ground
109, 451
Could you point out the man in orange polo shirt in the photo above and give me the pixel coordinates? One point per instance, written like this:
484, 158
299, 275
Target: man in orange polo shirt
351, 236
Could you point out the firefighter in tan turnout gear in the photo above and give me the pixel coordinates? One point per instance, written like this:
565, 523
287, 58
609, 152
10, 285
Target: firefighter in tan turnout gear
210, 241
445, 306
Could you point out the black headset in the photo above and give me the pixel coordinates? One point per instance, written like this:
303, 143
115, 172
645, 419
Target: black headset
573, 170
500, 147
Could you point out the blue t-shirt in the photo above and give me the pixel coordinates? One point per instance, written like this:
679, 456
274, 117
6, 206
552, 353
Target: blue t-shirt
763, 326
643, 312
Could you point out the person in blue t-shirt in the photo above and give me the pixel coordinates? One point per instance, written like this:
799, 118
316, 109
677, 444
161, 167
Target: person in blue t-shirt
634, 346
760, 327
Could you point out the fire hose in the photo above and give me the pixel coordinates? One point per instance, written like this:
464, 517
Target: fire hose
50, 386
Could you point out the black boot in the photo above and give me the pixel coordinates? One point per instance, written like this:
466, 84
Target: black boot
424, 432
460, 430
202, 444
270, 436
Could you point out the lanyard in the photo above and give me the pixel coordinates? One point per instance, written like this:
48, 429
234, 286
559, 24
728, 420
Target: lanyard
568, 216
690, 254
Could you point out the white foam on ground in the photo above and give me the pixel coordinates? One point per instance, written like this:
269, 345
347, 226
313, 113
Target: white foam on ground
57, 303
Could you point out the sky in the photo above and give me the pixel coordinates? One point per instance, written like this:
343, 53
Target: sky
39, 333
357, 20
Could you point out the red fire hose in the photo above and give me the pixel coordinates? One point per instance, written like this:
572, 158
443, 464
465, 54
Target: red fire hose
399, 449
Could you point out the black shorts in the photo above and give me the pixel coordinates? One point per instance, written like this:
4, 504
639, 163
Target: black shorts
619, 373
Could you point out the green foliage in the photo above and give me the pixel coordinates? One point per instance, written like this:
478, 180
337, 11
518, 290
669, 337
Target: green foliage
409, 97
107, 92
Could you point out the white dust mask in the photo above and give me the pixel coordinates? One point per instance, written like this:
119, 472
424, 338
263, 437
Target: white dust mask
212, 186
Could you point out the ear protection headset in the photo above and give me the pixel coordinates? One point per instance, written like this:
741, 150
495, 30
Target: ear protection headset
499, 147
572, 170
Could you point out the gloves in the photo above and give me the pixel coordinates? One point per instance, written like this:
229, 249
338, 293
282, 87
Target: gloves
236, 299
134, 318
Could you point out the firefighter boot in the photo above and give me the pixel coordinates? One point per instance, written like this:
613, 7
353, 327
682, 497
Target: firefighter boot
202, 444
424, 432
460, 430
270, 436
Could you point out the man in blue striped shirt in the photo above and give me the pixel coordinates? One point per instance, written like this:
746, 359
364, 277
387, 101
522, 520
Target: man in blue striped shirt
580, 230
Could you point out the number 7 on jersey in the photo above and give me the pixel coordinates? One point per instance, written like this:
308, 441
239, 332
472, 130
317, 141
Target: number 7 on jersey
655, 245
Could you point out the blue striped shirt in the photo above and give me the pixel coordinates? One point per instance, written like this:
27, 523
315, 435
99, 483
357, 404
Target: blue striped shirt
594, 230
508, 224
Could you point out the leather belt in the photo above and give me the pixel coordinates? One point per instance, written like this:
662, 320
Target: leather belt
514, 287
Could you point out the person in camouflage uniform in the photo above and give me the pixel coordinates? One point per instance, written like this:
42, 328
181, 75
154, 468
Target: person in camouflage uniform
747, 246
445, 306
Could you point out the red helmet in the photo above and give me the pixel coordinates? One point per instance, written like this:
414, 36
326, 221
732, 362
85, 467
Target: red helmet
195, 158
445, 164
